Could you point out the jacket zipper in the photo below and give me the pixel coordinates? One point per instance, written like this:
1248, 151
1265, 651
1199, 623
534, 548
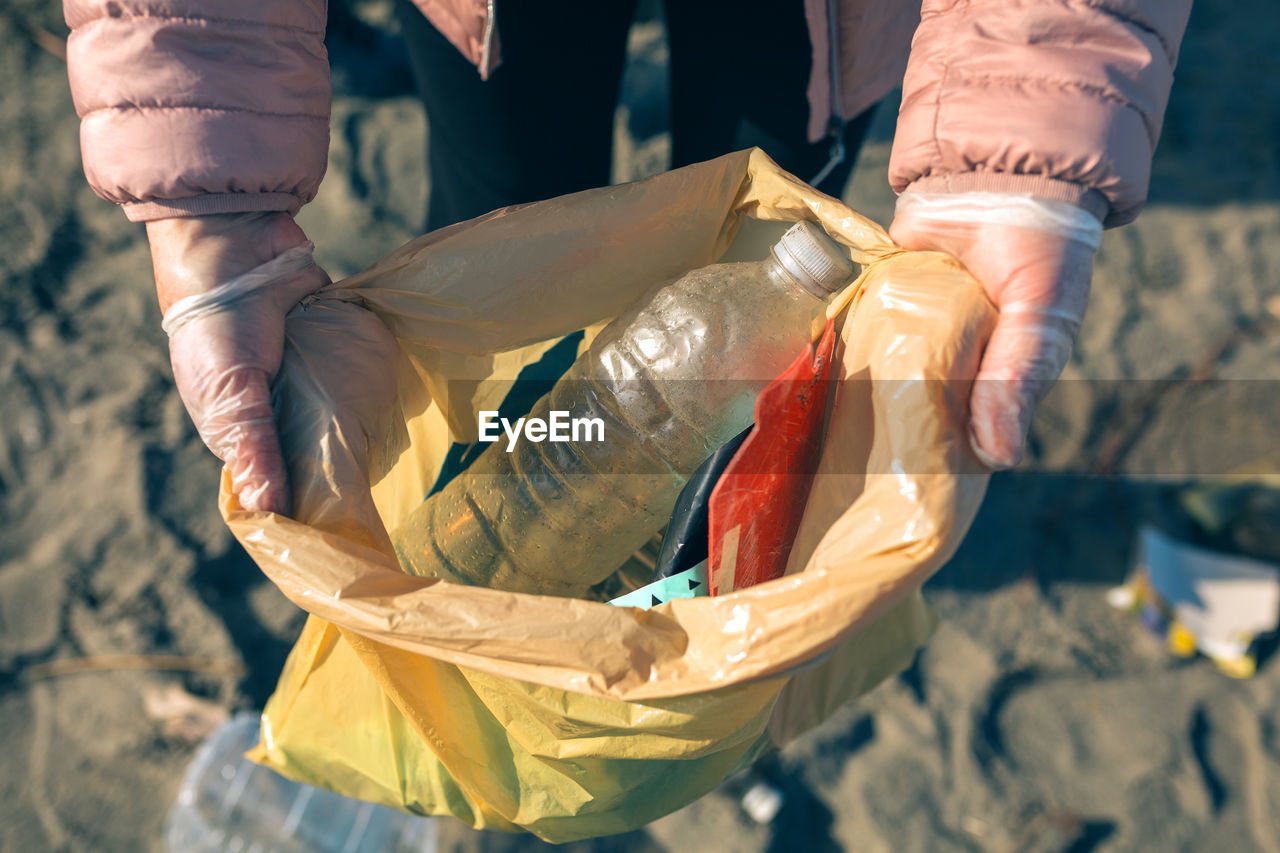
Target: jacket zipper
836, 122
486, 44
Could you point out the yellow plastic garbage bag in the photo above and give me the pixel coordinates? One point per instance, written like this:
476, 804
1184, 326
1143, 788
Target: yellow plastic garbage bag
573, 718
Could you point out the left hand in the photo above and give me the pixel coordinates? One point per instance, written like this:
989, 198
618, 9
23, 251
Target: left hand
1037, 275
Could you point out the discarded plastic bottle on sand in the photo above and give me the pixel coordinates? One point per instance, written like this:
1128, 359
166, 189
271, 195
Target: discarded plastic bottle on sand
669, 382
226, 802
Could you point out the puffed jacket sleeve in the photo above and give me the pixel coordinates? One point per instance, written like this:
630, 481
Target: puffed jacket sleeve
192, 107
1062, 99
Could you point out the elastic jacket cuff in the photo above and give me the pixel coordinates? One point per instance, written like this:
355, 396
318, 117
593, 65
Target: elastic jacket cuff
1005, 182
202, 205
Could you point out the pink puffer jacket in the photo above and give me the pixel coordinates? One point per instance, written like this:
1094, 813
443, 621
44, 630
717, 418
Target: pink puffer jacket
210, 106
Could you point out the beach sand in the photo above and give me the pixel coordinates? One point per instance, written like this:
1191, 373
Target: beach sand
1037, 719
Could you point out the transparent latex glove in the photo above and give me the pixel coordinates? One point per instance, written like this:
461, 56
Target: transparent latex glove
1034, 258
225, 283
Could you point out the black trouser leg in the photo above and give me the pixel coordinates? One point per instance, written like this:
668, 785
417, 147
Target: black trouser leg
541, 125
739, 78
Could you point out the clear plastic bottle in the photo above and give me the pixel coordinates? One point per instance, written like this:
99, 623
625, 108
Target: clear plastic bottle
671, 381
228, 803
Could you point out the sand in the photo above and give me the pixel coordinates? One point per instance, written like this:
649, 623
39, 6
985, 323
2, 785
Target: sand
1038, 719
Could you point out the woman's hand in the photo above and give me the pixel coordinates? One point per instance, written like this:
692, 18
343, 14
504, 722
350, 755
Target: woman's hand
225, 353
1034, 258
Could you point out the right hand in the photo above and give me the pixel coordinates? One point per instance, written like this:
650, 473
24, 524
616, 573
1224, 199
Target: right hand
1039, 282
1034, 259
223, 362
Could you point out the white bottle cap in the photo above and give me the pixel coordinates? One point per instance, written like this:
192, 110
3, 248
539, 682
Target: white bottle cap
813, 259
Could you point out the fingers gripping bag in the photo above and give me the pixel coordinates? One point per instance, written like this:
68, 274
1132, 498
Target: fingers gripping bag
568, 717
